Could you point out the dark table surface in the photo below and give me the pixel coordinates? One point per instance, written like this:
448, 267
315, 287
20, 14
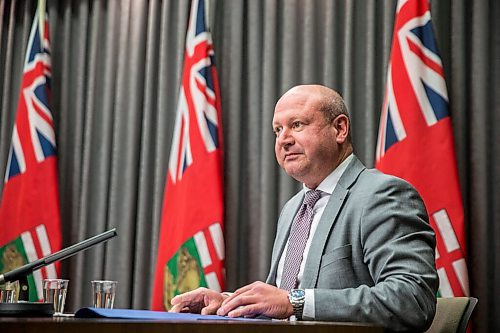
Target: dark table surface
95, 325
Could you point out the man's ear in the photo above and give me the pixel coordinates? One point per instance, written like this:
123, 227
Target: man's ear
341, 125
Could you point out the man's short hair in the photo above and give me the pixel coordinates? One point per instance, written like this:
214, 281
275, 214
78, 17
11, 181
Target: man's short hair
332, 106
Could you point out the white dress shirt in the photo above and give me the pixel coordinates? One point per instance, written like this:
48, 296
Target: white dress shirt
327, 186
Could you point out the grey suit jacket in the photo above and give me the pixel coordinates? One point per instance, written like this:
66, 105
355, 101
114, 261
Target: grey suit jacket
372, 255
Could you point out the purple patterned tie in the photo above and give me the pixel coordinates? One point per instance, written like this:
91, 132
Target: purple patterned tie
298, 239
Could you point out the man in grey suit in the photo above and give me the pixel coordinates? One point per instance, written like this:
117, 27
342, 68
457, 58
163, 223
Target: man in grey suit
361, 250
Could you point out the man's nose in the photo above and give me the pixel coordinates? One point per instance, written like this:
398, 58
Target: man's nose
285, 138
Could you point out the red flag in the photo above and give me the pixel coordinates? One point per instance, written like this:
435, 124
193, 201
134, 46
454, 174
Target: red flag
29, 210
191, 245
415, 139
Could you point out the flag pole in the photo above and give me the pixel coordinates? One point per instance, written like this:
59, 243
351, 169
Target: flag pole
41, 12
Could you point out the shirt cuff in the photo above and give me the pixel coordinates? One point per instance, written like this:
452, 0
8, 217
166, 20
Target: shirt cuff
308, 313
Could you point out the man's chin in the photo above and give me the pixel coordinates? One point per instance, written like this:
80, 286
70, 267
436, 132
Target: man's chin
294, 171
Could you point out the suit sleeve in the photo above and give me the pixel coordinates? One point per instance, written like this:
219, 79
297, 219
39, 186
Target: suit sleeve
398, 249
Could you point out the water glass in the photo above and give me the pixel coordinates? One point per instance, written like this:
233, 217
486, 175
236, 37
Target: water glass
104, 293
8, 292
54, 291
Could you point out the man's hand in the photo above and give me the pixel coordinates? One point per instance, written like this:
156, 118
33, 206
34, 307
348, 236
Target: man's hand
201, 300
255, 299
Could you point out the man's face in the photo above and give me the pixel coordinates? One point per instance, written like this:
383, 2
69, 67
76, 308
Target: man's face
306, 143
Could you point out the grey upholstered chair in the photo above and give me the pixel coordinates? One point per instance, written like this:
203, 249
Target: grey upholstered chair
452, 314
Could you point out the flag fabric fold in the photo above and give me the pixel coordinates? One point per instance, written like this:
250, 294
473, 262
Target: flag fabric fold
191, 242
29, 208
415, 139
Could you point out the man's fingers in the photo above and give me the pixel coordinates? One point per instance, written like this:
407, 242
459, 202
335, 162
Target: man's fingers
188, 302
201, 300
177, 308
249, 311
237, 293
210, 309
212, 305
230, 304
240, 300
244, 289
177, 299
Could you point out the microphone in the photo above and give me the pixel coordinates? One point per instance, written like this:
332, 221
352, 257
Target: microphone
29, 309
27, 269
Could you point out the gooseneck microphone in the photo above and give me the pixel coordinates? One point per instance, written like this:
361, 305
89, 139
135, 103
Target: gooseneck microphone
32, 309
27, 269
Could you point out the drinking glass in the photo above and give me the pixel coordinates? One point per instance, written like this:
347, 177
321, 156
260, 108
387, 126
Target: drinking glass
104, 293
8, 292
54, 291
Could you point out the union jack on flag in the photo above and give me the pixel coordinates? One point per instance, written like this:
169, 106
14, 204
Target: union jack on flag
191, 245
33, 138
29, 210
197, 95
415, 140
423, 74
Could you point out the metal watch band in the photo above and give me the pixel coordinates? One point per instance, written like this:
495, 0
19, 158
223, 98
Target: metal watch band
298, 309
297, 299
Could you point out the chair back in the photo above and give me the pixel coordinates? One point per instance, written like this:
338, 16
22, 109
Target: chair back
452, 314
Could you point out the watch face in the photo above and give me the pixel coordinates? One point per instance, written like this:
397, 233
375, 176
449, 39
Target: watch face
297, 293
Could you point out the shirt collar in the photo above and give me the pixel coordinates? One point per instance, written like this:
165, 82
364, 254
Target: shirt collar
330, 182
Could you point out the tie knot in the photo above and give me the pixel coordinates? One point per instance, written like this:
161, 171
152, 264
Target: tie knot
311, 197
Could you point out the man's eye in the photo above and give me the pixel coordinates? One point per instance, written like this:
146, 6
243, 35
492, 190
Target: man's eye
296, 124
277, 130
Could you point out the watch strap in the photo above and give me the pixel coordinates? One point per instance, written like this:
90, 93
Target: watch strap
297, 302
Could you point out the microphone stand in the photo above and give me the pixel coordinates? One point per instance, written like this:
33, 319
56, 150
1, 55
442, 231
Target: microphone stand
29, 309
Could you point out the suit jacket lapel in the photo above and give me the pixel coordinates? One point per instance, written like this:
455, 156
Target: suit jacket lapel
327, 221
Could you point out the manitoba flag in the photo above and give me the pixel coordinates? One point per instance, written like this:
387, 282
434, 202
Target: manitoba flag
29, 208
191, 243
415, 139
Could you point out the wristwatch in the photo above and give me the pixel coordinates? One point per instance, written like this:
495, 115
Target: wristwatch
297, 297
